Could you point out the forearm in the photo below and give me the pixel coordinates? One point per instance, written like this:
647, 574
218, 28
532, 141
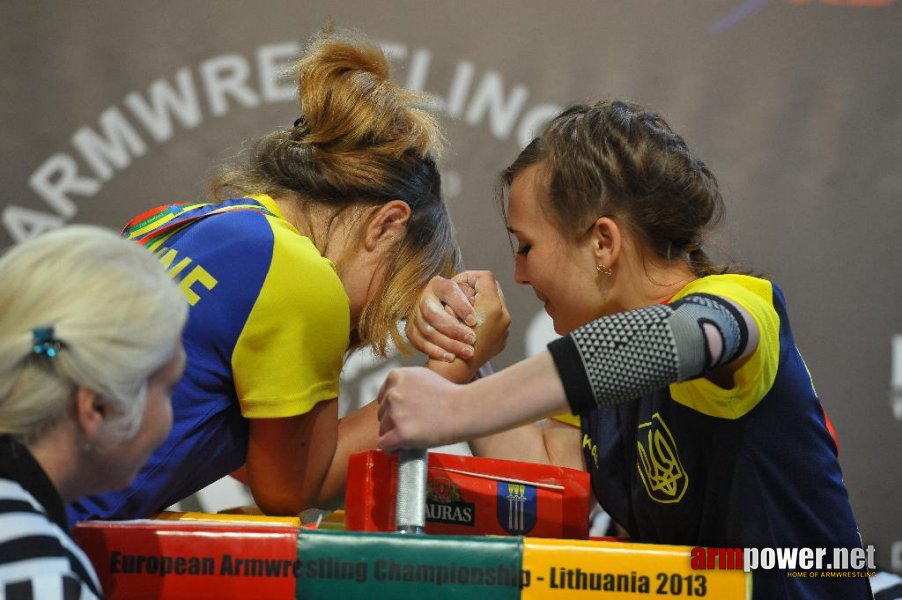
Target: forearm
522, 443
519, 395
359, 432
458, 371
525, 444
547, 442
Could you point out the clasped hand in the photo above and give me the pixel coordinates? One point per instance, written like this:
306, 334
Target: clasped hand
464, 317
461, 318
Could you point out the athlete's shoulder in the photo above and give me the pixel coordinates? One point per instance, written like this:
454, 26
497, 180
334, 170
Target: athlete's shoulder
729, 285
256, 226
235, 221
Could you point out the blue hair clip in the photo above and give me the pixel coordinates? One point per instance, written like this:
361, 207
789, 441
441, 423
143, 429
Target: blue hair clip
44, 342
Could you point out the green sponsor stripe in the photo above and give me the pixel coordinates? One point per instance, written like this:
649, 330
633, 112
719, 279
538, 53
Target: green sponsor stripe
172, 209
149, 220
349, 565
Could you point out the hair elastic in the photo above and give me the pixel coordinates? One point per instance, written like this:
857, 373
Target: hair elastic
44, 342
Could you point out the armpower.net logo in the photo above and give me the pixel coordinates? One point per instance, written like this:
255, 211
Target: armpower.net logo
796, 562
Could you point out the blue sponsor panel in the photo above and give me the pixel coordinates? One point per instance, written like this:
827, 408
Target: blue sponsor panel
517, 507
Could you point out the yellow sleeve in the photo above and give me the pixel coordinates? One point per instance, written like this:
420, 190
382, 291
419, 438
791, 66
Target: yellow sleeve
568, 419
289, 354
756, 376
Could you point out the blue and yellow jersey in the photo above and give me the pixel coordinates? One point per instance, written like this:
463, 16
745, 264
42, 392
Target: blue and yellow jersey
266, 335
698, 464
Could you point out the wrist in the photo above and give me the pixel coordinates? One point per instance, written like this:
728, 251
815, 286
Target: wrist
460, 414
457, 371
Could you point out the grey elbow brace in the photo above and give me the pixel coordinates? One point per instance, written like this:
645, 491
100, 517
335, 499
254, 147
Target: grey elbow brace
621, 357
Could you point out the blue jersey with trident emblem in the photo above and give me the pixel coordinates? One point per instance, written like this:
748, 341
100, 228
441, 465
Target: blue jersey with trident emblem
750, 466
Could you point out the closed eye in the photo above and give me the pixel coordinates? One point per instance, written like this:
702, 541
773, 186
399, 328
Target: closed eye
524, 250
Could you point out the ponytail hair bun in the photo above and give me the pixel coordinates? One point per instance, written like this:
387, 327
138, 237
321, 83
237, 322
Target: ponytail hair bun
360, 141
354, 118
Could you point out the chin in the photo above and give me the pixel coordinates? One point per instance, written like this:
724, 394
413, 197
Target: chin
561, 328
564, 325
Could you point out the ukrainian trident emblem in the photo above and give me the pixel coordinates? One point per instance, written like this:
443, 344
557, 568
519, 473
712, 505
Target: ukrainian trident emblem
658, 462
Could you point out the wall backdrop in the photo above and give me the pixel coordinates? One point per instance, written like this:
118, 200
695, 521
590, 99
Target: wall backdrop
109, 108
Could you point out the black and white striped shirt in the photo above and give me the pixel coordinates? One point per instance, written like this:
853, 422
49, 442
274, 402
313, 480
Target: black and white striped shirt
38, 558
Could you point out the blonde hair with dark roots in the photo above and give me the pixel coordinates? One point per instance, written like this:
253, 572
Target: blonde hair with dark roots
361, 141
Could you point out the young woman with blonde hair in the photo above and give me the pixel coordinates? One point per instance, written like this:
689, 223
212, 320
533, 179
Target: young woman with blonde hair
328, 231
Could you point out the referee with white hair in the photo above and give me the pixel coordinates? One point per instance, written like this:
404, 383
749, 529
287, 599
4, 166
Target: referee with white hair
90, 348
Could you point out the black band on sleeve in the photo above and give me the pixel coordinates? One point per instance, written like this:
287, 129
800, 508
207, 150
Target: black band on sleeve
570, 368
743, 330
723, 315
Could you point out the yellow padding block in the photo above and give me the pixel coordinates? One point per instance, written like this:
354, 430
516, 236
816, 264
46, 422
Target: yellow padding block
562, 569
233, 518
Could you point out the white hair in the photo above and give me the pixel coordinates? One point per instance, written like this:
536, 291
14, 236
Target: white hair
115, 312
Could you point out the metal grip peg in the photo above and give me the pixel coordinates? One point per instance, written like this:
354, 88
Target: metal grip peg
410, 516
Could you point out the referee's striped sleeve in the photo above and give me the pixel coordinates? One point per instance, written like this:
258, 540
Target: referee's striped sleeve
65, 587
38, 559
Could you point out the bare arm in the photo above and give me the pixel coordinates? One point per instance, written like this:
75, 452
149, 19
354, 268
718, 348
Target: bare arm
359, 431
519, 395
287, 458
431, 329
594, 371
302, 461
549, 442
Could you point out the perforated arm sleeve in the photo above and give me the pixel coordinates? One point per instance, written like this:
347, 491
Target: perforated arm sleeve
624, 356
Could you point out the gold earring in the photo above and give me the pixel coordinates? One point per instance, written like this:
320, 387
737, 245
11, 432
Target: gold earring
603, 270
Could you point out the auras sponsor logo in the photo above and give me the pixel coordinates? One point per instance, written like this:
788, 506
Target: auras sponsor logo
444, 504
127, 130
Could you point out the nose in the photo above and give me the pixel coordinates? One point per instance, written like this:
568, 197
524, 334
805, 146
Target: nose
520, 270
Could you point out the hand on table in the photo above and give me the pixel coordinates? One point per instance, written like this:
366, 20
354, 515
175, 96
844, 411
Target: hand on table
416, 410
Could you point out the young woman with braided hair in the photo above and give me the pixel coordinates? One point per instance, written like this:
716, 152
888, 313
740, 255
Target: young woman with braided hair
327, 234
697, 416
